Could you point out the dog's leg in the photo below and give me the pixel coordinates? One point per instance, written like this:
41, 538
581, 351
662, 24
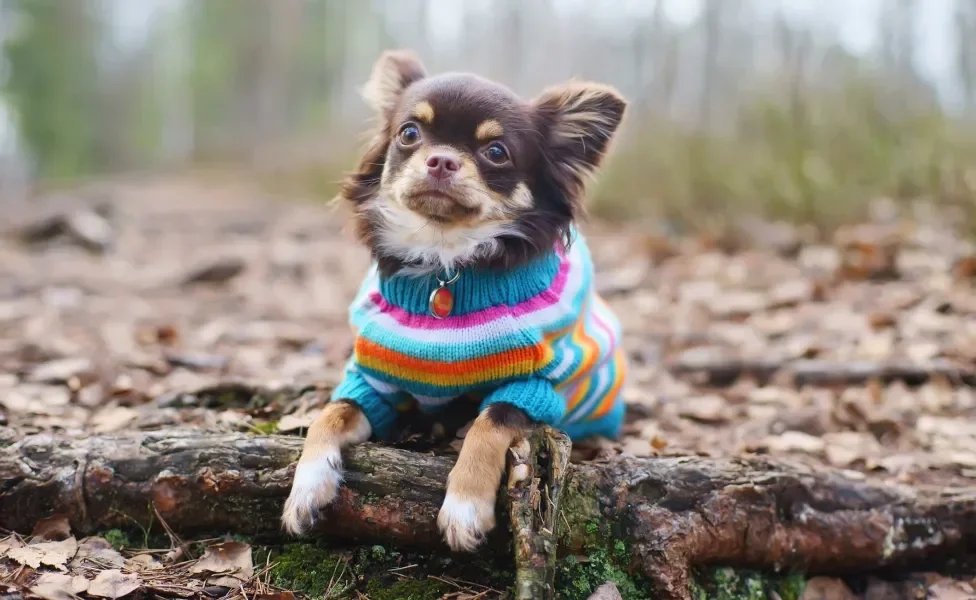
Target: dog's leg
468, 512
320, 468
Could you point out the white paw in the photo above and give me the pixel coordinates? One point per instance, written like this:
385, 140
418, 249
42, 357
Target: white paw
316, 485
464, 523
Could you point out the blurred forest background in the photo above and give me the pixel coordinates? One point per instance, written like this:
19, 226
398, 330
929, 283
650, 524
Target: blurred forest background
799, 109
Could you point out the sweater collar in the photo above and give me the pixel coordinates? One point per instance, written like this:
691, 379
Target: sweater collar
476, 288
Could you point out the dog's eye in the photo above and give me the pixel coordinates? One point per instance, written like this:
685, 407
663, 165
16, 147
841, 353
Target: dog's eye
409, 135
496, 153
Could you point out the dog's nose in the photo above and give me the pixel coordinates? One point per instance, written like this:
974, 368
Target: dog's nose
442, 166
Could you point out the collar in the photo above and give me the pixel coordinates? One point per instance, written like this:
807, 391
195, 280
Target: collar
476, 288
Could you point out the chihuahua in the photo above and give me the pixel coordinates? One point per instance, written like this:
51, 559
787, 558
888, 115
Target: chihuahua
481, 286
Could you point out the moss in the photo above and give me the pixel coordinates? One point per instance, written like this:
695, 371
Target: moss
578, 576
405, 589
267, 427
118, 538
315, 571
723, 583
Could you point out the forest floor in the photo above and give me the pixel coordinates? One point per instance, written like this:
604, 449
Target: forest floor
135, 305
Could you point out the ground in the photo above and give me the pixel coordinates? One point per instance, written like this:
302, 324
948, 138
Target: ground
213, 302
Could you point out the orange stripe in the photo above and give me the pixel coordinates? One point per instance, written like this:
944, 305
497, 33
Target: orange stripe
579, 394
368, 349
609, 400
591, 350
498, 371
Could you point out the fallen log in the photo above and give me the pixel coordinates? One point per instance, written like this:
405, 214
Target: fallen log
671, 513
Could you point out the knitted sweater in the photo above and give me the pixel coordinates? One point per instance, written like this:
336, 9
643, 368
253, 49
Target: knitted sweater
537, 337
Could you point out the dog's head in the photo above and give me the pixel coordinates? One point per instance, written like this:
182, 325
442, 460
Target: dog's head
463, 171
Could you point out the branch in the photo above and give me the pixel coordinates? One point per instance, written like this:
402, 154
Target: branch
672, 512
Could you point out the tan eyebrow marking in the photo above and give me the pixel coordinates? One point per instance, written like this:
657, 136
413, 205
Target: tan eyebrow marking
424, 112
489, 129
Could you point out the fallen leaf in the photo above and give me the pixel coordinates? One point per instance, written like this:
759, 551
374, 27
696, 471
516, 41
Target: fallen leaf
795, 441
220, 270
59, 586
8, 543
52, 554
230, 559
143, 562
827, 588
286, 595
607, 591
844, 448
98, 552
60, 371
948, 589
707, 409
113, 583
295, 422
52, 529
113, 418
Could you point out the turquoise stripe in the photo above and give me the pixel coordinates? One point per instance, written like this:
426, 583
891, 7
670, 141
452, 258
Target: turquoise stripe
427, 389
457, 351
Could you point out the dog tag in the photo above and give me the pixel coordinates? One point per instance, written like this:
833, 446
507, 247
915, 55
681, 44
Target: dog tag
441, 301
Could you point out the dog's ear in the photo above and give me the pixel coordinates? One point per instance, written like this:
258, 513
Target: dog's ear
393, 72
578, 121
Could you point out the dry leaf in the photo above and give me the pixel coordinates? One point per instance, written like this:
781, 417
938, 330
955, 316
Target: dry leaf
296, 422
707, 409
52, 529
61, 371
232, 560
286, 595
8, 543
58, 586
827, 588
607, 591
143, 562
96, 551
795, 441
113, 418
113, 583
947, 589
52, 554
844, 448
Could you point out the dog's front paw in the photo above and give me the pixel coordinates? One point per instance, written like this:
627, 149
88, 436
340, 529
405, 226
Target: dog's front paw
316, 485
464, 522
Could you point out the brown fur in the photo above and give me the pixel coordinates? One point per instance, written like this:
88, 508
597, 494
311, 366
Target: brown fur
336, 425
516, 190
556, 140
481, 461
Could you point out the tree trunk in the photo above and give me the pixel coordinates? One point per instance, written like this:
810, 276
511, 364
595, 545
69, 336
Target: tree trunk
671, 512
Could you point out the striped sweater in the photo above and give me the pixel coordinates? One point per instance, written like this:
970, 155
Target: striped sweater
537, 337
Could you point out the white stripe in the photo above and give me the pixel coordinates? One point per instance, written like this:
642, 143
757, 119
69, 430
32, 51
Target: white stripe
567, 360
502, 326
434, 400
380, 386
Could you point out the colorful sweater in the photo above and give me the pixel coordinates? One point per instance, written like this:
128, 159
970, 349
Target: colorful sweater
537, 337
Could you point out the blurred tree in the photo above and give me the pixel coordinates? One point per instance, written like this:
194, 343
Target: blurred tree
53, 83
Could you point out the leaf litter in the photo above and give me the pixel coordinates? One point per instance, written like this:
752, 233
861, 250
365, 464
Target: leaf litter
853, 352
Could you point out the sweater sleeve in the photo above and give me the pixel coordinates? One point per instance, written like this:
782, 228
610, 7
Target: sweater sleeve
534, 395
380, 413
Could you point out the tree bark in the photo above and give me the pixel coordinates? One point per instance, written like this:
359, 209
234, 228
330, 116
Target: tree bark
671, 512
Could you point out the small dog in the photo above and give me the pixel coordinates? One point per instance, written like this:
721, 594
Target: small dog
481, 285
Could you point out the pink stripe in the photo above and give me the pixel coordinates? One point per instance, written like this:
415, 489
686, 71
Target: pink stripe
538, 302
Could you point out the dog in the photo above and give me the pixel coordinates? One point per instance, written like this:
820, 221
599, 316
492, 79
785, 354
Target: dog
481, 285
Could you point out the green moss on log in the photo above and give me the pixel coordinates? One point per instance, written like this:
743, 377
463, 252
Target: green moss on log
314, 570
724, 583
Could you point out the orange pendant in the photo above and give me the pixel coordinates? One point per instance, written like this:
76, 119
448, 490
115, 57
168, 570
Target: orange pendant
441, 302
